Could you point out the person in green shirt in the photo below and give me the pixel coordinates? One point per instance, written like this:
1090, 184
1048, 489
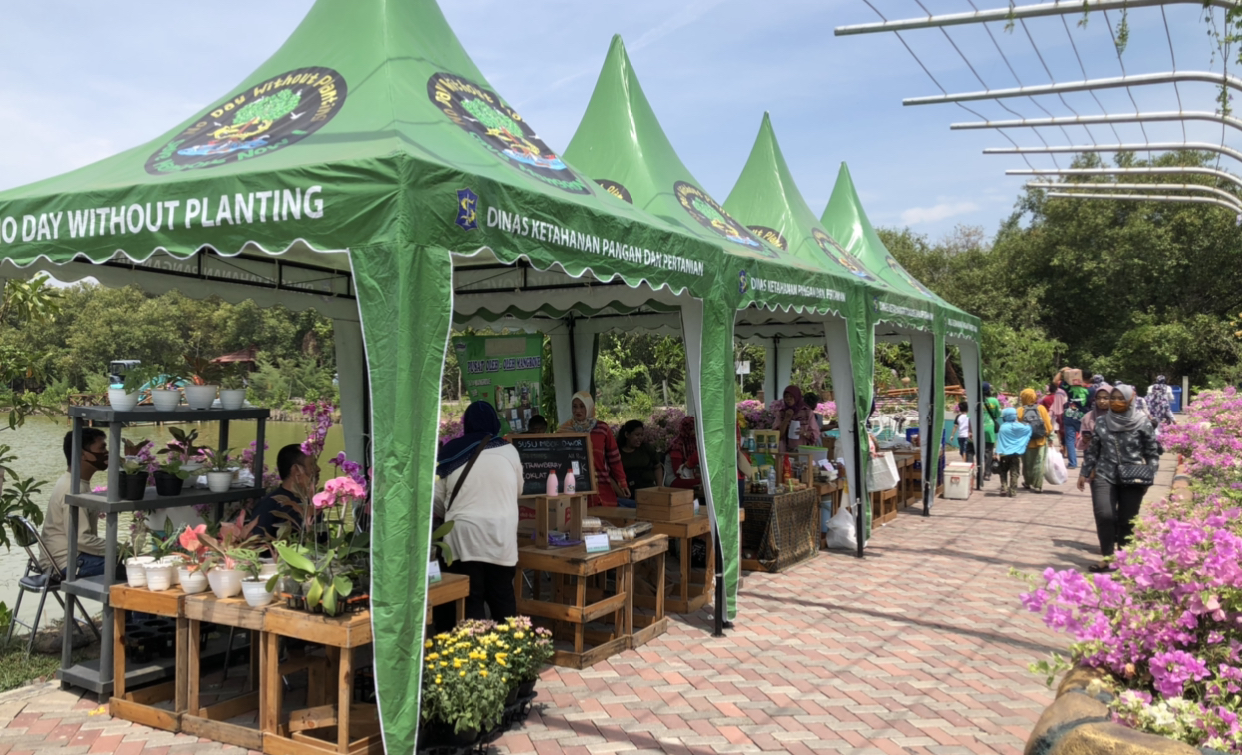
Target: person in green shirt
1075, 409
991, 421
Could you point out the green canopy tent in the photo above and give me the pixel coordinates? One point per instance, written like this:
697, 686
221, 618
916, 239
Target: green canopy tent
911, 311
368, 169
767, 199
621, 145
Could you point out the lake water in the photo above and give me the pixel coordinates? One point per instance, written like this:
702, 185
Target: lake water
40, 454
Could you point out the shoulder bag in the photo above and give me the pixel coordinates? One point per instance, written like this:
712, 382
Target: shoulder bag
466, 472
1133, 474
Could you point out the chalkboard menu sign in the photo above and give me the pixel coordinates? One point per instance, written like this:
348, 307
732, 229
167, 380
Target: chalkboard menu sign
543, 454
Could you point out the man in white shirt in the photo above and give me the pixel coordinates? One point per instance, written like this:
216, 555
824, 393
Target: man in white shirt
56, 519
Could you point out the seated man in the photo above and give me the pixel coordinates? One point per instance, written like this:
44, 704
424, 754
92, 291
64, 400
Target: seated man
56, 520
298, 472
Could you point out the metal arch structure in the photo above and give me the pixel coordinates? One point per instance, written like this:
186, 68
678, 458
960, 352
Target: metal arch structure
1137, 192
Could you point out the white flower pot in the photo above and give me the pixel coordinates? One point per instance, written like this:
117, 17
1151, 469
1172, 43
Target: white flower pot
219, 482
268, 568
256, 592
191, 466
192, 582
200, 396
225, 583
233, 398
159, 576
165, 401
136, 570
121, 401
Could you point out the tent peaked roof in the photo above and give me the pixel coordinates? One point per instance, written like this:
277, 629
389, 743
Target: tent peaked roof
621, 145
766, 198
846, 220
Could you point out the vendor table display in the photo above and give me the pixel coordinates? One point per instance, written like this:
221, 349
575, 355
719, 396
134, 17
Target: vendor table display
780, 530
572, 607
909, 487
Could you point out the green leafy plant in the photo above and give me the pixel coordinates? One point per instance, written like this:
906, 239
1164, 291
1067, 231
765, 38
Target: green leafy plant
204, 371
182, 446
219, 460
327, 575
235, 544
233, 376
147, 376
166, 544
438, 541
172, 465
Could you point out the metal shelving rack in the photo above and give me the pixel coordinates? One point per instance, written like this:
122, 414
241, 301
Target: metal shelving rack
97, 675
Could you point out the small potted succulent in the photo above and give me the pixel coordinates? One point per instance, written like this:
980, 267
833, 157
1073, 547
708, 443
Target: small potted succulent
219, 474
233, 387
205, 382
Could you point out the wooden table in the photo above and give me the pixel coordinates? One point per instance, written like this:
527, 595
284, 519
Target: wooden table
645, 628
452, 588
140, 706
582, 607
355, 725
211, 721
909, 487
690, 597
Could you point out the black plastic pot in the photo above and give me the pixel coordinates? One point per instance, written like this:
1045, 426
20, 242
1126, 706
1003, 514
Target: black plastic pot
168, 484
140, 646
133, 486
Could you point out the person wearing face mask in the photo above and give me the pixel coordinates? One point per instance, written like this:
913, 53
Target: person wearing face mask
56, 519
1122, 441
298, 474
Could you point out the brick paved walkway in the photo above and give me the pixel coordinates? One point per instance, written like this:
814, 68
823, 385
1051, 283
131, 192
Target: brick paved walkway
920, 648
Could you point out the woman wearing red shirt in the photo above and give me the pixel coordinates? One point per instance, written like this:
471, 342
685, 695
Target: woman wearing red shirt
610, 480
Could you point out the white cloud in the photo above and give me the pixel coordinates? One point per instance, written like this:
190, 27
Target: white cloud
916, 215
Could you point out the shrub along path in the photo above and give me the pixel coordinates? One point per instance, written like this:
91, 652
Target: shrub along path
921, 647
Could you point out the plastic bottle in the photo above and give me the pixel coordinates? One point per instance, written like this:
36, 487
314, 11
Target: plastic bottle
571, 483
553, 483
771, 480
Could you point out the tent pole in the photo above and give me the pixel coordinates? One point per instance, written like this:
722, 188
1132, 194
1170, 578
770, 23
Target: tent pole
573, 353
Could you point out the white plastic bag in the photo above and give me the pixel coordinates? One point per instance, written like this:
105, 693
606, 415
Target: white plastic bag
841, 530
882, 473
1055, 472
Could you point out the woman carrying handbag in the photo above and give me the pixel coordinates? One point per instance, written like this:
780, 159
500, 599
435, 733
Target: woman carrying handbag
1120, 464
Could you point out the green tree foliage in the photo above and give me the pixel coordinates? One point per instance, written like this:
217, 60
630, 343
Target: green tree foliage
93, 325
1124, 288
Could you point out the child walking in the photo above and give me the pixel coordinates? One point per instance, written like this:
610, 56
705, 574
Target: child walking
964, 446
1011, 444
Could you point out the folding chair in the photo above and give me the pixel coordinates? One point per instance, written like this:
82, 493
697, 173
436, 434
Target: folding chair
39, 580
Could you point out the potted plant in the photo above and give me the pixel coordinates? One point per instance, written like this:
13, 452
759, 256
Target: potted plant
234, 543
233, 387
165, 393
254, 585
219, 475
192, 572
530, 649
135, 471
170, 477
466, 679
204, 382
135, 565
124, 397
183, 447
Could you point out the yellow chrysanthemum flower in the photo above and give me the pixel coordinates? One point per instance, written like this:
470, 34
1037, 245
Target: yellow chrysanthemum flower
483, 672
462, 673
438, 679
428, 644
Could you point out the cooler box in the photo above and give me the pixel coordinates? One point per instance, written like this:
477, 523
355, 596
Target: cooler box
959, 480
1177, 399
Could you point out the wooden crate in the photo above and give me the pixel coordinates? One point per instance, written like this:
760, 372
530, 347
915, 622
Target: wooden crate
212, 721
346, 727
159, 706
665, 504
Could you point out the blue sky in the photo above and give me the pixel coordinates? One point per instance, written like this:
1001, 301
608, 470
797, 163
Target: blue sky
83, 80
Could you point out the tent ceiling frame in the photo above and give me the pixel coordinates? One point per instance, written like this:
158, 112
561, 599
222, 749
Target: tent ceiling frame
1225, 196
1004, 15
1018, 13
1145, 198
